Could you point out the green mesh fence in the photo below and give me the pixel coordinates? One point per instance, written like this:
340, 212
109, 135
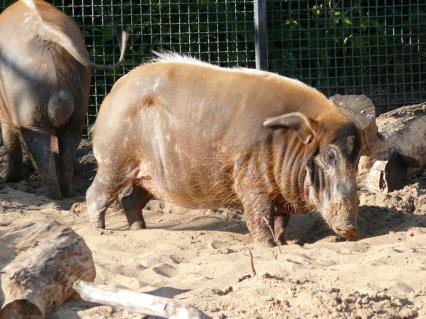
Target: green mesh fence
368, 47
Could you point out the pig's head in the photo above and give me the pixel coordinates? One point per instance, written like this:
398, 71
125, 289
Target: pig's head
331, 155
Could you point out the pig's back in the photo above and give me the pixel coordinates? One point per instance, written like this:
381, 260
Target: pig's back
32, 70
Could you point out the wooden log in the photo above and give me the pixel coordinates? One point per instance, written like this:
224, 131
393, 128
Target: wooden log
41, 276
399, 151
138, 302
385, 176
361, 110
404, 130
393, 144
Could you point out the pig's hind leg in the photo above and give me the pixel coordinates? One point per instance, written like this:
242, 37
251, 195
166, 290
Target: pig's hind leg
133, 199
68, 139
12, 143
39, 146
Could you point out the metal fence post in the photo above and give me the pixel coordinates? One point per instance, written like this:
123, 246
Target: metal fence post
260, 34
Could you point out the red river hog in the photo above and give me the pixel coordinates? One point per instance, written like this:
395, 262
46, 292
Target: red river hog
44, 90
202, 136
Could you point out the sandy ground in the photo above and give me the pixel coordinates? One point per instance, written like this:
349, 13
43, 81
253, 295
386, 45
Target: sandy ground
202, 257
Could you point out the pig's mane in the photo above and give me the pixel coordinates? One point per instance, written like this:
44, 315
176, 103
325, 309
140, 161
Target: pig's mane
29, 3
168, 56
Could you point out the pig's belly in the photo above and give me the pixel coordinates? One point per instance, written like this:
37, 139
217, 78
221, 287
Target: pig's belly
194, 188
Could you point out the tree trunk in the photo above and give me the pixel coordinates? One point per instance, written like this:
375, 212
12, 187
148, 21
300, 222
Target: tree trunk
51, 258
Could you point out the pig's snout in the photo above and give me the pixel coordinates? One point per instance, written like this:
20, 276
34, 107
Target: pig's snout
342, 218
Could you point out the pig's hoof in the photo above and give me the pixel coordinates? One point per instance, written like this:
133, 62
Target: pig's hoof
348, 234
282, 242
66, 192
13, 177
55, 194
99, 224
138, 225
270, 242
265, 242
279, 242
56, 197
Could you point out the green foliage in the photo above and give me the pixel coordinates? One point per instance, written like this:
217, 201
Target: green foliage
349, 45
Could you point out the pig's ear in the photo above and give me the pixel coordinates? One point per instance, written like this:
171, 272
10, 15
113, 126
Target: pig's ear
295, 121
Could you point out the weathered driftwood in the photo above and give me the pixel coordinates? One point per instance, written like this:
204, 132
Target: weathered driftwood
41, 276
138, 302
392, 144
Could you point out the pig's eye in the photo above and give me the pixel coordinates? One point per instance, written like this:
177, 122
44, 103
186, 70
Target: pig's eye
330, 157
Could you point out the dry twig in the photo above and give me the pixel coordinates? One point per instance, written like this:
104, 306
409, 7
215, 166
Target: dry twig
253, 271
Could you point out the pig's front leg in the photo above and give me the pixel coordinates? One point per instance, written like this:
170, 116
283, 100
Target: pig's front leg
259, 214
255, 190
258, 206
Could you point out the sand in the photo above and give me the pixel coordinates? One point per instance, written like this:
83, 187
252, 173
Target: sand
202, 256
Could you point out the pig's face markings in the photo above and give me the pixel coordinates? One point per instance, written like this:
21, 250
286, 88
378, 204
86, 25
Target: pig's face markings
332, 180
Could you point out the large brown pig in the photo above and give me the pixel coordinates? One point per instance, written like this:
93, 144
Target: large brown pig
44, 89
201, 136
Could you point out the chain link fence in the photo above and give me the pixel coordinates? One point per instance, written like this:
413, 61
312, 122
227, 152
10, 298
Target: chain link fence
371, 47
220, 32
376, 48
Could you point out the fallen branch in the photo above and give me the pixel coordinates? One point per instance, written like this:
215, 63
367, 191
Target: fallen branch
135, 301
